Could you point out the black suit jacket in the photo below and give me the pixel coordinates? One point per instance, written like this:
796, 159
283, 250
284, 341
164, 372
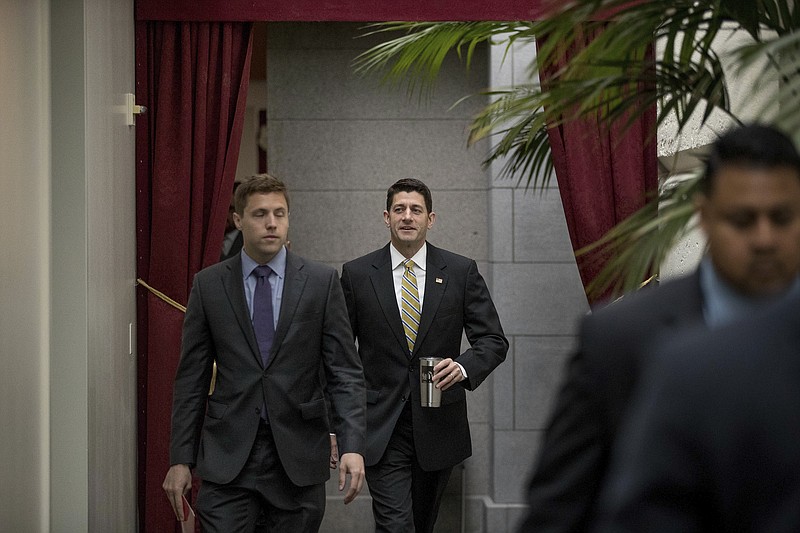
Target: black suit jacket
216, 433
712, 439
456, 300
575, 450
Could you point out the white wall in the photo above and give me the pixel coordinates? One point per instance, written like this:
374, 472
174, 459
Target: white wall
67, 385
111, 267
24, 264
68, 356
92, 382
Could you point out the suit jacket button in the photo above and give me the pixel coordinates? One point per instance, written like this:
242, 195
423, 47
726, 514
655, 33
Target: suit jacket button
258, 410
410, 368
403, 399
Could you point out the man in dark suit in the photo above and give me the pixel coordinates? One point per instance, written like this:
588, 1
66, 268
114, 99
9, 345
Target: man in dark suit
270, 319
711, 440
748, 206
411, 449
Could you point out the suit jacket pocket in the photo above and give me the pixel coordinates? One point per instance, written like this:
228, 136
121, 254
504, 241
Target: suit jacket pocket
300, 318
216, 409
313, 409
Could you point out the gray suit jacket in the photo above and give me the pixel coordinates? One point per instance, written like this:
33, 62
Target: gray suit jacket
575, 450
216, 433
456, 300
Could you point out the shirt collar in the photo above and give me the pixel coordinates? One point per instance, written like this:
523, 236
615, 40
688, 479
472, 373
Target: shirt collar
277, 263
420, 258
722, 303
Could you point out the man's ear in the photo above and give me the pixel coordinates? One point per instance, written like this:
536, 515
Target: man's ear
431, 219
237, 221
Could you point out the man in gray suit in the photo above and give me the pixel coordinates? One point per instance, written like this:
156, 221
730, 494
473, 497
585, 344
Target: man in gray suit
749, 209
271, 320
411, 449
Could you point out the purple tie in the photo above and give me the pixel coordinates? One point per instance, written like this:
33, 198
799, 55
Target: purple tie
263, 321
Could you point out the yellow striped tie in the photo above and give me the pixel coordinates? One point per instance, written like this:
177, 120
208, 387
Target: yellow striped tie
411, 311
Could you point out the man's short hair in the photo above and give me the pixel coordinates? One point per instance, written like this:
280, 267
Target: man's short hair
257, 184
751, 146
409, 185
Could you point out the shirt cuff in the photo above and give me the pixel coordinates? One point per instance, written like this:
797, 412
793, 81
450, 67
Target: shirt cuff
463, 372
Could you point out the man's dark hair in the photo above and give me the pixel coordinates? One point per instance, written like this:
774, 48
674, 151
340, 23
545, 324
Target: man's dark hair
409, 185
751, 146
257, 184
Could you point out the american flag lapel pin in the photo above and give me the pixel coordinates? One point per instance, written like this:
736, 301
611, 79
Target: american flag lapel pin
438, 280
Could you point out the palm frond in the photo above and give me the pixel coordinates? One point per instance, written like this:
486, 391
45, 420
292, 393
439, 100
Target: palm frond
416, 56
518, 117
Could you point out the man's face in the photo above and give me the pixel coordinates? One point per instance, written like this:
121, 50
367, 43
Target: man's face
408, 220
264, 225
752, 220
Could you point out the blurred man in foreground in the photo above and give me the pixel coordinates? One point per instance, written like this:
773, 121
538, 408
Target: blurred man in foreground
749, 208
711, 442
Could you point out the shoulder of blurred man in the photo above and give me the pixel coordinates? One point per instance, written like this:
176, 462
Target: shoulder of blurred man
631, 319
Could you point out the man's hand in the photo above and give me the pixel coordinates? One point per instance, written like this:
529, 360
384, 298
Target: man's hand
446, 374
176, 484
352, 464
334, 452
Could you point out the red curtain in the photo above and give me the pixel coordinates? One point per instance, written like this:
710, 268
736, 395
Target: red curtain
605, 173
193, 78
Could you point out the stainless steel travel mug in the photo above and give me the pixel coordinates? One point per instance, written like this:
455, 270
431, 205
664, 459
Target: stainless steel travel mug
430, 396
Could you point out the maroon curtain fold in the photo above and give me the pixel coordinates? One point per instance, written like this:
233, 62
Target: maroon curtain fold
605, 173
193, 78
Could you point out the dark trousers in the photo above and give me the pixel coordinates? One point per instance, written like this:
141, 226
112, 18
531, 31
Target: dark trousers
261, 492
405, 498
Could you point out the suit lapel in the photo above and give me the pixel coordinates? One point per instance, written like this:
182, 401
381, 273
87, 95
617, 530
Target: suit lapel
383, 284
234, 288
435, 285
293, 285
